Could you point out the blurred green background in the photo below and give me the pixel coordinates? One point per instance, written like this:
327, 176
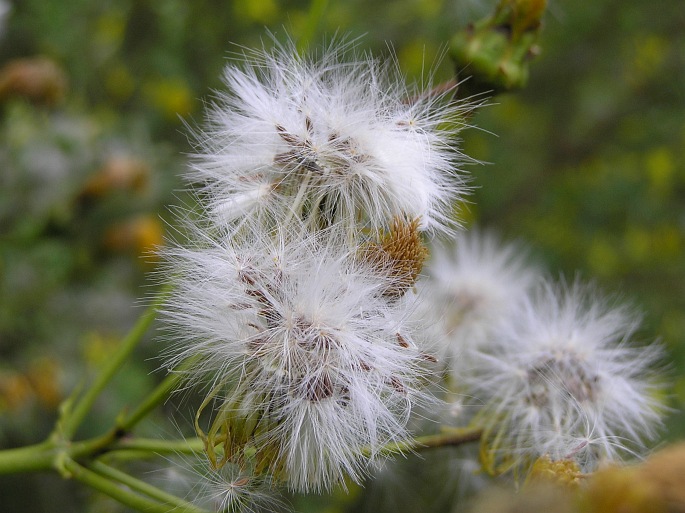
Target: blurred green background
586, 165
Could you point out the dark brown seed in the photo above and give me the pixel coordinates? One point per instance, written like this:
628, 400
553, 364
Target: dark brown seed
344, 398
241, 481
246, 277
256, 344
429, 357
289, 138
364, 366
397, 385
318, 388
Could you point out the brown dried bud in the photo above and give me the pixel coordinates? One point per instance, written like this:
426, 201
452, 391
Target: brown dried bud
400, 253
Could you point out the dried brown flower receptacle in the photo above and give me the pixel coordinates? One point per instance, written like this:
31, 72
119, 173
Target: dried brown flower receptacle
400, 254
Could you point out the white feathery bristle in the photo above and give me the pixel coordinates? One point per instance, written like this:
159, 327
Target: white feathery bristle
470, 287
229, 488
298, 330
326, 138
562, 378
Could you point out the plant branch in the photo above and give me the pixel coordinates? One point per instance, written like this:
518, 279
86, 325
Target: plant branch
72, 418
32, 458
158, 447
450, 437
139, 486
46, 455
51, 454
120, 493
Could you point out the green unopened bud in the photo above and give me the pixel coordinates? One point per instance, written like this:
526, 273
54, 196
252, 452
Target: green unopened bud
495, 51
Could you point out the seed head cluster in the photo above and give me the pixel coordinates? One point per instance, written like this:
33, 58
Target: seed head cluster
316, 180
298, 302
302, 339
567, 382
552, 368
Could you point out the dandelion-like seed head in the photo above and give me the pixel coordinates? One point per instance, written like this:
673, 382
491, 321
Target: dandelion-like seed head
470, 288
230, 489
308, 361
559, 375
561, 378
329, 141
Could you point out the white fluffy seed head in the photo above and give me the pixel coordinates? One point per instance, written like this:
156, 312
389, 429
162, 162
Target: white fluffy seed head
299, 332
329, 140
470, 287
229, 489
562, 378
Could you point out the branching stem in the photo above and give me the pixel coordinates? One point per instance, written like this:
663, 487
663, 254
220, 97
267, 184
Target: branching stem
71, 418
122, 494
141, 487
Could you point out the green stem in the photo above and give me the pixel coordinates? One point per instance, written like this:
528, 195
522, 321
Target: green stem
32, 458
92, 446
72, 418
116, 491
148, 445
139, 486
450, 437
50, 454
46, 455
159, 395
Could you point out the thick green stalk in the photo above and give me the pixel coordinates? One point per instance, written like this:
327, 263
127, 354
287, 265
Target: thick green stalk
32, 458
46, 455
49, 454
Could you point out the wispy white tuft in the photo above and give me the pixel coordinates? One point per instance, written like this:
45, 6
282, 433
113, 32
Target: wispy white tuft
563, 378
328, 138
298, 332
229, 489
471, 286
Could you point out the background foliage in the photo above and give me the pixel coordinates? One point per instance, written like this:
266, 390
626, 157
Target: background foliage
586, 165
